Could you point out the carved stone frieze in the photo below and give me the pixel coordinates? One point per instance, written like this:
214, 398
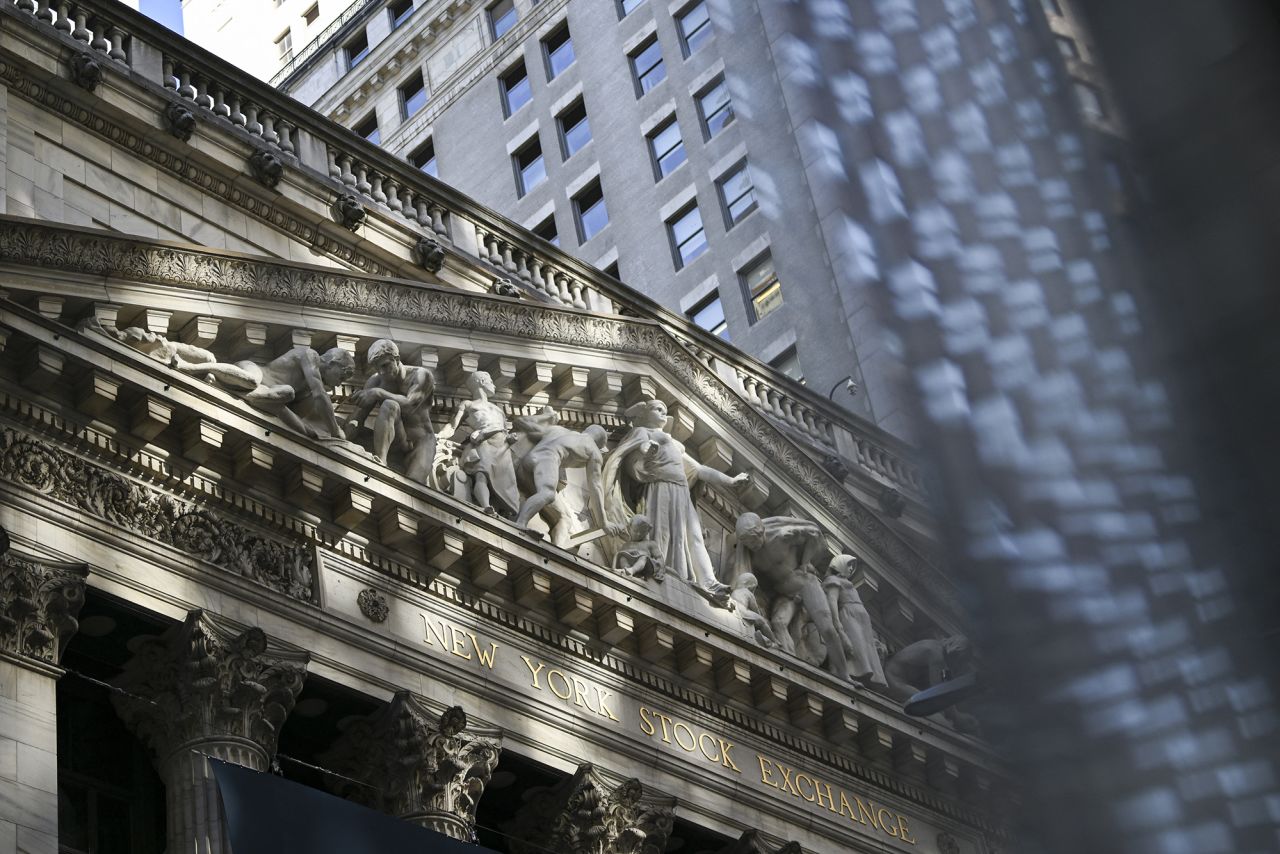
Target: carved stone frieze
206, 679
583, 815
180, 120
373, 605
418, 766
266, 168
428, 254
39, 602
37, 465
86, 72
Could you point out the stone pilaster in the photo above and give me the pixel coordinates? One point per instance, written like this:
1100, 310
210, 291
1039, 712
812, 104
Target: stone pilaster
585, 815
206, 688
416, 765
39, 602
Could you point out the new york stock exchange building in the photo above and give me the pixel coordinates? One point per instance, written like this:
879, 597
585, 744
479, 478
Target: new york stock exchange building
344, 515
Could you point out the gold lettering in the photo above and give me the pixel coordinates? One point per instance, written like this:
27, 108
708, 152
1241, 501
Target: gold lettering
666, 733
888, 828
725, 758
692, 744
551, 674
459, 643
646, 725
766, 772
831, 802
534, 672
902, 831
847, 809
868, 814
800, 777
702, 738
602, 698
485, 656
429, 629
579, 693
787, 785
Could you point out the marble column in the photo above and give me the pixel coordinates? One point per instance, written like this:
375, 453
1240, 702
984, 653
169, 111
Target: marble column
416, 765
39, 602
207, 688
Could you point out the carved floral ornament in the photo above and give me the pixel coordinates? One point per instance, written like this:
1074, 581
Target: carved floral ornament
39, 602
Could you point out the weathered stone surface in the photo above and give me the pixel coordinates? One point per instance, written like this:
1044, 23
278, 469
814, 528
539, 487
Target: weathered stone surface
39, 602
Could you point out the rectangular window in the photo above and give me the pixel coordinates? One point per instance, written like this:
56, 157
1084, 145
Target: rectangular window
547, 230
667, 148
515, 88
709, 314
284, 45
737, 194
558, 48
688, 237
575, 130
413, 95
788, 363
399, 10
502, 17
424, 158
369, 129
695, 27
715, 107
626, 7
762, 287
646, 63
590, 212
311, 14
357, 49
530, 168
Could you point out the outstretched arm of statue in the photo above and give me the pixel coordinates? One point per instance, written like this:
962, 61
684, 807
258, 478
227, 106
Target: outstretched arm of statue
714, 477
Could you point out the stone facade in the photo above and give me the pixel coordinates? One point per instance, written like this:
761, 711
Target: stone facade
224, 435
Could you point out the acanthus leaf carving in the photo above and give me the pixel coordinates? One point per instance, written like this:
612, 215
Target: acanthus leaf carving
39, 603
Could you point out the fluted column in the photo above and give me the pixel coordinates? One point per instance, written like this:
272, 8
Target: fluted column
416, 765
584, 814
206, 688
39, 603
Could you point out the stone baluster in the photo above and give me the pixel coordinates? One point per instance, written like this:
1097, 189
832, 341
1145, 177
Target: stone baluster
362, 178
508, 260
575, 289
375, 189
522, 265
44, 12
284, 129
99, 41
39, 603
423, 208
81, 30
251, 124
237, 114
185, 89
166, 71
64, 17
393, 195
26, 5
406, 202
220, 107
203, 689
117, 51
335, 171
549, 282
344, 166
417, 766
583, 813
562, 288
269, 128
535, 274
437, 220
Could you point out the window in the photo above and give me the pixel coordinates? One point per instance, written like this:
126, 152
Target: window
575, 130
709, 314
737, 194
1067, 47
413, 95
547, 230
424, 157
369, 129
590, 212
284, 45
357, 49
716, 109
399, 10
502, 17
311, 14
558, 48
626, 7
667, 148
515, 88
695, 27
612, 271
761, 283
1090, 101
788, 363
530, 168
646, 62
688, 237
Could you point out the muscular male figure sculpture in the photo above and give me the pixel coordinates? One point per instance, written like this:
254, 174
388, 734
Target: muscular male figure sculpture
402, 396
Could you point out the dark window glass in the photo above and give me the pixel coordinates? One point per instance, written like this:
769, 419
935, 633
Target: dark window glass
424, 158
357, 49
646, 62
628, 6
311, 14
612, 270
716, 109
590, 211
502, 17
763, 289
559, 51
737, 194
413, 95
547, 230
284, 46
515, 88
400, 10
667, 148
788, 363
688, 238
709, 314
575, 130
530, 168
369, 129
695, 27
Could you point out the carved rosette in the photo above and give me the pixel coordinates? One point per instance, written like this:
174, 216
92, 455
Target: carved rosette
39, 603
373, 605
417, 766
582, 815
207, 680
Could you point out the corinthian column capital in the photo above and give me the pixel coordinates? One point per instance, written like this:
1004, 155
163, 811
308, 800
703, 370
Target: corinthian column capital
417, 765
39, 602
